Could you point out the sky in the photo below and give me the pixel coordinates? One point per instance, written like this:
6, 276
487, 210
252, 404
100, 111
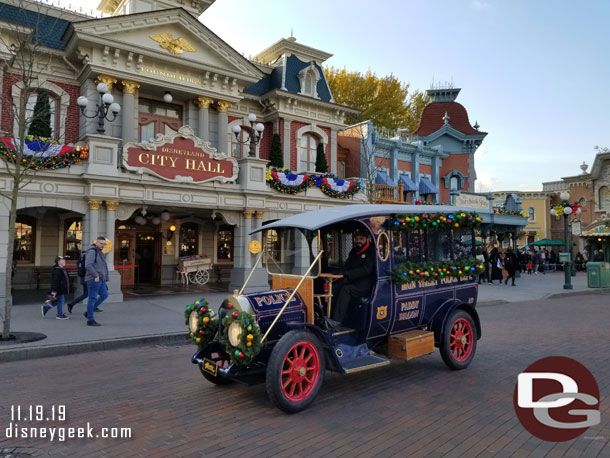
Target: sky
533, 73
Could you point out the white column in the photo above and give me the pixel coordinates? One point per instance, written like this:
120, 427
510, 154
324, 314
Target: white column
203, 103
128, 108
111, 206
246, 239
333, 151
94, 207
223, 126
286, 144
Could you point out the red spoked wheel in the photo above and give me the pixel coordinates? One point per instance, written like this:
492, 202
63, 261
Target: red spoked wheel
459, 341
295, 371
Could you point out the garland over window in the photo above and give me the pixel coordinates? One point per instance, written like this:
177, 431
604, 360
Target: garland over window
412, 221
425, 271
42, 153
291, 183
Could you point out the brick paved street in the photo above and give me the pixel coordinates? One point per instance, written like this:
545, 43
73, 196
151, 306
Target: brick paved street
417, 408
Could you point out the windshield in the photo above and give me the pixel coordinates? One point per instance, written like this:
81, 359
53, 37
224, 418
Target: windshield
291, 251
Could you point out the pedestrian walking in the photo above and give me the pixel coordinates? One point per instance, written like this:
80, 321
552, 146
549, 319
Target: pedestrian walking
511, 263
60, 286
96, 278
81, 271
496, 264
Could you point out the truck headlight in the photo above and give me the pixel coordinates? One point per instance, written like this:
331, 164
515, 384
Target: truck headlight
234, 333
193, 321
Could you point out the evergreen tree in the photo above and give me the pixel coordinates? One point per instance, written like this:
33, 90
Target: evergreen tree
276, 157
321, 165
41, 119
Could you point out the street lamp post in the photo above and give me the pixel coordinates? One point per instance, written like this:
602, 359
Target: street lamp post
106, 106
566, 210
254, 136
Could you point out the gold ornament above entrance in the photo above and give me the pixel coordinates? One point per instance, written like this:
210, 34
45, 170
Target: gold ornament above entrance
173, 45
180, 157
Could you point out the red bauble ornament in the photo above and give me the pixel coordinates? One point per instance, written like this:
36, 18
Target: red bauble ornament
200, 332
240, 355
202, 309
234, 315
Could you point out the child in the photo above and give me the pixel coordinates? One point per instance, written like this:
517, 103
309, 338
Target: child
60, 285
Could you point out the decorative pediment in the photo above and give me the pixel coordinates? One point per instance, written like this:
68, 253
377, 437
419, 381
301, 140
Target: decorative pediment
172, 35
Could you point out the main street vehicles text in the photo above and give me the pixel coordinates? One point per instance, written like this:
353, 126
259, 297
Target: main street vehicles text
424, 296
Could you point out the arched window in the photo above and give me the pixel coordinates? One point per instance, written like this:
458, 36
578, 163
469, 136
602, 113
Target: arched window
224, 245
307, 153
73, 237
604, 198
189, 239
25, 240
51, 113
454, 183
308, 78
531, 214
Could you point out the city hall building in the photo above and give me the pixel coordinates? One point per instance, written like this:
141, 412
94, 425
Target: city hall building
167, 179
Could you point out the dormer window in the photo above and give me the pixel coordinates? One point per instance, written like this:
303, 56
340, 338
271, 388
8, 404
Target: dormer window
309, 77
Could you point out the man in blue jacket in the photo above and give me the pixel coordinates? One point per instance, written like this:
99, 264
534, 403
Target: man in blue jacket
96, 278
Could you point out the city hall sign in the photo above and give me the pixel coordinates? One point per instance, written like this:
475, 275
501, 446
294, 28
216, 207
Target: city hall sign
180, 157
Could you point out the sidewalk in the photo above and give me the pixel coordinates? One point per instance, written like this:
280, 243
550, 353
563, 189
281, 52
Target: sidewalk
160, 319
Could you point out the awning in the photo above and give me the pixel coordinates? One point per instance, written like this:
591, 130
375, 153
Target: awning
547, 242
409, 186
427, 187
383, 178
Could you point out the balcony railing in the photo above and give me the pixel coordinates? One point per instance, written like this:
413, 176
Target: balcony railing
386, 194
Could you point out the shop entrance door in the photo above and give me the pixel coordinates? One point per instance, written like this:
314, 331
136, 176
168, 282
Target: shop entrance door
148, 257
125, 257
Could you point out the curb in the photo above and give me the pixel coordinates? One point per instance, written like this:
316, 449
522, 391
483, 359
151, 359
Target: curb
599, 292
24, 353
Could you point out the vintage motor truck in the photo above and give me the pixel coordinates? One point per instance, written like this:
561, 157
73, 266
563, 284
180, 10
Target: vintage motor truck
424, 296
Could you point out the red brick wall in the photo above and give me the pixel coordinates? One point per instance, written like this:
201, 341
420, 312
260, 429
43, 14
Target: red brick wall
350, 145
265, 146
73, 115
404, 166
453, 162
382, 162
425, 168
7, 108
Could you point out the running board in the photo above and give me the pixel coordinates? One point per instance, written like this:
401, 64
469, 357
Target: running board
363, 363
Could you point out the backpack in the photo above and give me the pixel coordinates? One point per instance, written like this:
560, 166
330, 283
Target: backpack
81, 270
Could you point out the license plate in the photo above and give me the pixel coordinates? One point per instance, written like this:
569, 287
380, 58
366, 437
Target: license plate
210, 366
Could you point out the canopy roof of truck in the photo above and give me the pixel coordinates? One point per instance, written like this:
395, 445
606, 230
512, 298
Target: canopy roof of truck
320, 218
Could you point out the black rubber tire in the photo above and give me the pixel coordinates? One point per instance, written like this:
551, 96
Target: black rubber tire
301, 340
457, 318
215, 379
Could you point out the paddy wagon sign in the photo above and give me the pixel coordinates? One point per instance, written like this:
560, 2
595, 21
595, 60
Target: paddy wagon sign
180, 157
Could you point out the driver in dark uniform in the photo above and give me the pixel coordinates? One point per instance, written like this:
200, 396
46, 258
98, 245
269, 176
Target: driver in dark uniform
358, 273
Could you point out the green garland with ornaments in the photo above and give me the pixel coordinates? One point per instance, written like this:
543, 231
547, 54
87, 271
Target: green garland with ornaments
426, 271
435, 221
205, 319
249, 341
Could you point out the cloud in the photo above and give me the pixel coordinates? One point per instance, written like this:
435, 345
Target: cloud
485, 182
481, 152
479, 4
